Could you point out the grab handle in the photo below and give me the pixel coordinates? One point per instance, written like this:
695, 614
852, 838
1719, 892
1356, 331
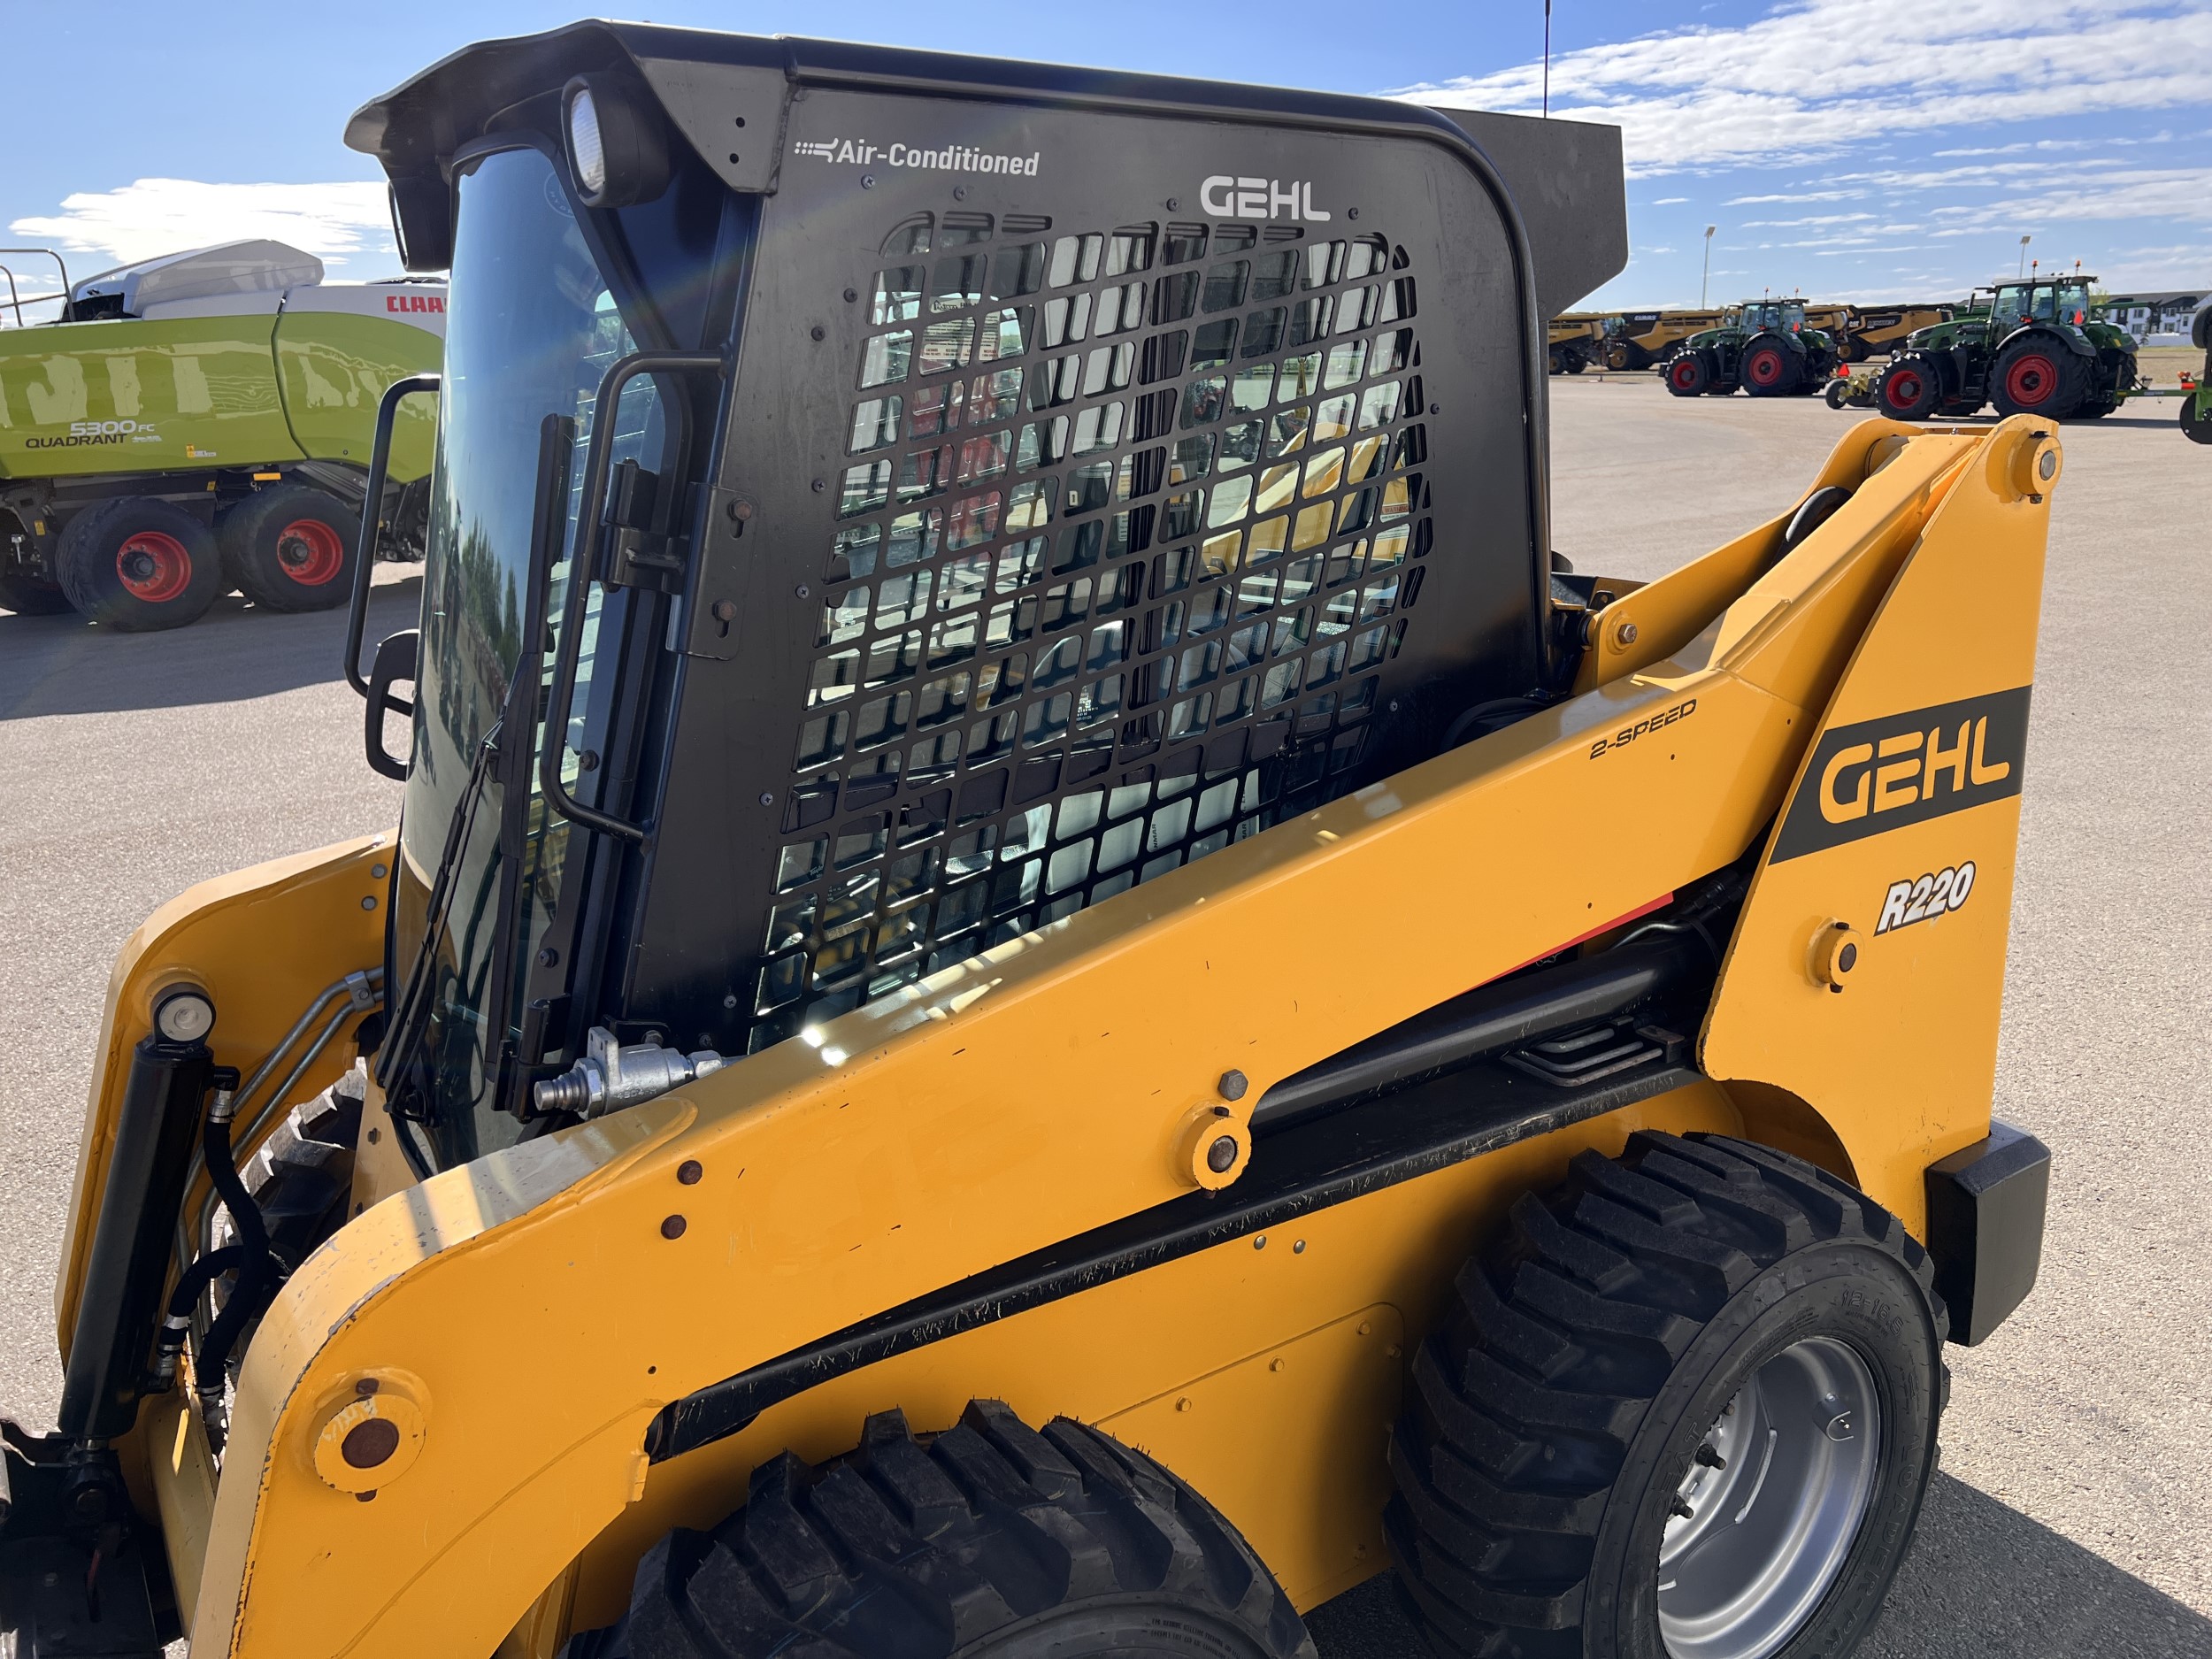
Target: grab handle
568, 648
372, 517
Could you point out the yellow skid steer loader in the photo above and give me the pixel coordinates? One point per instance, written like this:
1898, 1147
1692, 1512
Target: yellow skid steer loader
1047, 987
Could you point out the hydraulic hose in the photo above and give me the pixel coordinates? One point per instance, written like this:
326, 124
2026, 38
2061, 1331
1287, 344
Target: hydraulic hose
256, 1265
183, 1302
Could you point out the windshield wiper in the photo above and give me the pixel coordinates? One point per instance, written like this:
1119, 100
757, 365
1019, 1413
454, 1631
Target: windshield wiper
411, 1009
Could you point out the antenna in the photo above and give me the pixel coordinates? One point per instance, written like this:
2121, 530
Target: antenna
1548, 59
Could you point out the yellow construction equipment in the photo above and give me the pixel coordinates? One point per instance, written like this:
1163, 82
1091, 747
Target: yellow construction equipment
1879, 331
1576, 341
1047, 987
1640, 340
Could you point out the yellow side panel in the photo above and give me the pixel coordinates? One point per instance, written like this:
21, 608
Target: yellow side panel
1299, 1432
1295, 1458
1914, 778
264, 941
182, 1475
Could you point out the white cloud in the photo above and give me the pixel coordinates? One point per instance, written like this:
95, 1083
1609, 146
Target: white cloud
1803, 81
1669, 201
159, 216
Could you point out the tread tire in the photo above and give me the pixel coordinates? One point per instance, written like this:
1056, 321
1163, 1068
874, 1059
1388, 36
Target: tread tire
2069, 379
1589, 1348
992, 1538
92, 541
1688, 373
251, 533
1914, 398
1789, 372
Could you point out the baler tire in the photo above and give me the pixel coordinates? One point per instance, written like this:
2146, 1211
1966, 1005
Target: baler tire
137, 564
1651, 1314
28, 596
1837, 390
291, 548
990, 1539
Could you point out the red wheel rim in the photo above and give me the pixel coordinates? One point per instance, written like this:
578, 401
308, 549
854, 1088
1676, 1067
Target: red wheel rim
1765, 367
310, 552
2030, 380
153, 566
1685, 373
1901, 390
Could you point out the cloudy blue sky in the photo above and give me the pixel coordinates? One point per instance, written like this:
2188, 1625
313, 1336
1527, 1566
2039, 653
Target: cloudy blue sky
1850, 148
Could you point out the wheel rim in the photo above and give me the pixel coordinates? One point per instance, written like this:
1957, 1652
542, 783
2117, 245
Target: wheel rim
310, 552
153, 566
1902, 390
1685, 373
1766, 368
2032, 379
1774, 1502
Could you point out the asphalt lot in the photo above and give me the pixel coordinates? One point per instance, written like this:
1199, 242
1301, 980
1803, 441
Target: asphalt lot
2073, 1516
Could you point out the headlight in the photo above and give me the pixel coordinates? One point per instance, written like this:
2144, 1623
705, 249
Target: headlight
618, 154
587, 152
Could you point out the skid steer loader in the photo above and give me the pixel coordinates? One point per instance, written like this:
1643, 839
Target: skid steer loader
1046, 988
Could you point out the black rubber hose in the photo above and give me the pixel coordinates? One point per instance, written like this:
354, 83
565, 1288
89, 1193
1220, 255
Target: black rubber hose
257, 1273
191, 1286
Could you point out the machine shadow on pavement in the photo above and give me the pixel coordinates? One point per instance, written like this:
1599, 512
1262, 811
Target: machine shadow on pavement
1982, 1581
64, 666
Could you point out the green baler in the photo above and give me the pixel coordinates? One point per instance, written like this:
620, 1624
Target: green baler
202, 422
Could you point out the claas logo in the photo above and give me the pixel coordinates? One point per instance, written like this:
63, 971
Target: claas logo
1873, 776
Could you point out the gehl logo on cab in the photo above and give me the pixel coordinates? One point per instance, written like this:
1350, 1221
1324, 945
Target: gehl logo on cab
1228, 195
1879, 775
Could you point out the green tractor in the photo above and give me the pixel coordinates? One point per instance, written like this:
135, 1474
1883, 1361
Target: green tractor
1764, 346
2031, 348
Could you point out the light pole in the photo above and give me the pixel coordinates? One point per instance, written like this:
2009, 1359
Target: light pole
1706, 274
1547, 59
2024, 240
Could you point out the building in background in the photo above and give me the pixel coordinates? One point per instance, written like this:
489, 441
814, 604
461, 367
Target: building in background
2155, 320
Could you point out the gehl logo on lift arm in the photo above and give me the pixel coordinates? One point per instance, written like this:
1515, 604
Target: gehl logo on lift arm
1905, 768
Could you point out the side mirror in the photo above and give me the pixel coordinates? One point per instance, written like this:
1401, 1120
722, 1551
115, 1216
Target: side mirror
422, 222
396, 660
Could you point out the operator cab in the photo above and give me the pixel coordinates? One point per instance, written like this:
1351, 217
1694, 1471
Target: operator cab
2065, 301
870, 526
